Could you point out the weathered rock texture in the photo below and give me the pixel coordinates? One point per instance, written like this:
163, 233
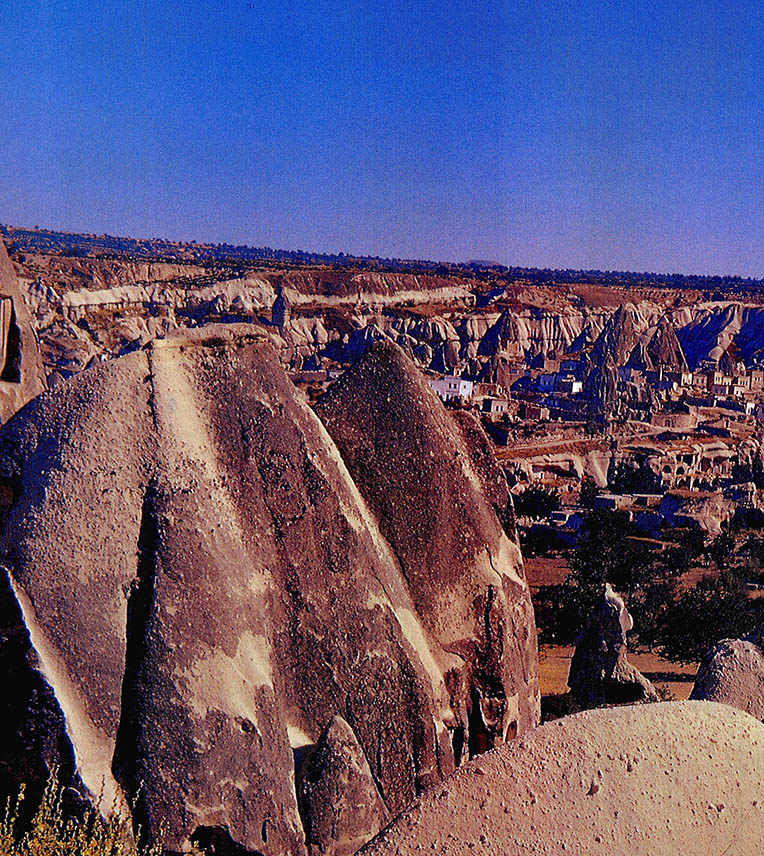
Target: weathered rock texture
732, 672
195, 588
21, 371
340, 806
425, 479
599, 671
679, 777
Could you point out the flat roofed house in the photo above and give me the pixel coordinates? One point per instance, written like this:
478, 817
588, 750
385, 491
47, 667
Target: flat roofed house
451, 388
495, 406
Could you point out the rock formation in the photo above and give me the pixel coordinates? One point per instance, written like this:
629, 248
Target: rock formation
679, 777
462, 567
732, 672
599, 671
664, 348
21, 372
340, 806
602, 388
195, 587
618, 338
281, 311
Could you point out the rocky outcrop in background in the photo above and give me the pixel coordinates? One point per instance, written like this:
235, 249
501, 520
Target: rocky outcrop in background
600, 672
21, 371
86, 309
732, 672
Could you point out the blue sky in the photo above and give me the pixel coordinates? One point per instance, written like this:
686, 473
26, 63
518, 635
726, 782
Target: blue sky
613, 135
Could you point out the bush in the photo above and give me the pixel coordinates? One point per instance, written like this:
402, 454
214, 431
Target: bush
537, 502
715, 608
52, 833
589, 491
604, 555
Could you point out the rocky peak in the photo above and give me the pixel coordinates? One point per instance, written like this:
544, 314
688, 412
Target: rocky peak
618, 338
664, 348
450, 542
732, 672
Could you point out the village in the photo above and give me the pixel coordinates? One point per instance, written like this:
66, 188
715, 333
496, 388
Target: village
680, 448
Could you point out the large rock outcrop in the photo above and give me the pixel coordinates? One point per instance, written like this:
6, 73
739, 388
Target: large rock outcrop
732, 672
462, 566
195, 587
679, 777
21, 371
599, 671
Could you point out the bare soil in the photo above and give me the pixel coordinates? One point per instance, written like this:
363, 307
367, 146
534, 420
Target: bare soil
668, 677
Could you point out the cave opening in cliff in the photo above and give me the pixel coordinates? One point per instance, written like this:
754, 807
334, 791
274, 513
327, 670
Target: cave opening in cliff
10, 343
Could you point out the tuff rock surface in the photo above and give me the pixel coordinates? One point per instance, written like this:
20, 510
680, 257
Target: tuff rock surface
732, 672
21, 371
340, 806
677, 777
425, 480
195, 585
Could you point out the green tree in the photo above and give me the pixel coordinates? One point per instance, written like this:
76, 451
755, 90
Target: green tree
716, 608
537, 502
589, 491
605, 554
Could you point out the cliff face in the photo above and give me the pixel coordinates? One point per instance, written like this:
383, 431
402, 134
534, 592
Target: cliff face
198, 583
95, 308
21, 371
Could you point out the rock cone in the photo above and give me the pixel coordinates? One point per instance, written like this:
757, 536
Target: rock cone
461, 566
195, 586
599, 671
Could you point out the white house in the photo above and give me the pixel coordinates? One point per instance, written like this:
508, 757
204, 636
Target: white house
451, 387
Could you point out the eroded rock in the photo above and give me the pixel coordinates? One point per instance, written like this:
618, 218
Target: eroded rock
195, 585
462, 568
600, 673
21, 371
340, 806
679, 777
732, 672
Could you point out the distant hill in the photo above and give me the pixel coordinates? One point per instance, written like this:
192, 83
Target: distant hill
22, 240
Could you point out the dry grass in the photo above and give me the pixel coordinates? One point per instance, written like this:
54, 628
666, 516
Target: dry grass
51, 833
667, 677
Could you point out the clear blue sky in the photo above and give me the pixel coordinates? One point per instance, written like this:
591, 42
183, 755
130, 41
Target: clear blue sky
602, 134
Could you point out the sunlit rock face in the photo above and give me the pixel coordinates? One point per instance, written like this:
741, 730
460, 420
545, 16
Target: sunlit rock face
21, 371
426, 479
197, 583
732, 672
677, 777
